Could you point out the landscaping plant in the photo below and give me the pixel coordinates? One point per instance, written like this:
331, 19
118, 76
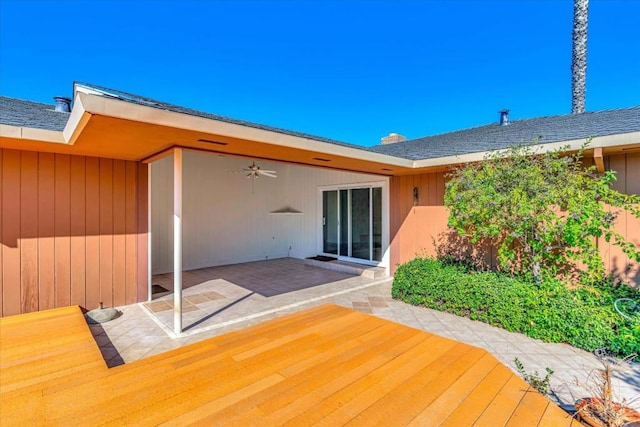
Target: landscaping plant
542, 210
534, 380
583, 316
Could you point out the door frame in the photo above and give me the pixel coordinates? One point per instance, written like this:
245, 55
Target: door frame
384, 185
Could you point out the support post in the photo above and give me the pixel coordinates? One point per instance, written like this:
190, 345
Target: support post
177, 241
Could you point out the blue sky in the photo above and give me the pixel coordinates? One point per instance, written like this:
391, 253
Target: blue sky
348, 70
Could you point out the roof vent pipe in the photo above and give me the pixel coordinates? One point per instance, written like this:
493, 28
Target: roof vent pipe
63, 104
504, 117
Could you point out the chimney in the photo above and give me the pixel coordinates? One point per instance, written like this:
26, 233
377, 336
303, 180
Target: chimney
392, 138
63, 104
504, 117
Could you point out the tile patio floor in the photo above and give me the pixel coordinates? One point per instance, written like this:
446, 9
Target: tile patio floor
222, 299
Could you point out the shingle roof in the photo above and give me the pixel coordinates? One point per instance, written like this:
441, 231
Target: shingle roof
141, 100
16, 112
493, 136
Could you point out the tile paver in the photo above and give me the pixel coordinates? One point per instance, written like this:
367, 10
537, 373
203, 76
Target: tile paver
224, 304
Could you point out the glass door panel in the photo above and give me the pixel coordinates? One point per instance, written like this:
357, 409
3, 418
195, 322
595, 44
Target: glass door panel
360, 223
352, 223
330, 222
376, 208
344, 223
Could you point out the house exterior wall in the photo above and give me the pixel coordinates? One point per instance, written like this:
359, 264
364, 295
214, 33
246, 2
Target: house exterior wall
414, 229
73, 231
226, 216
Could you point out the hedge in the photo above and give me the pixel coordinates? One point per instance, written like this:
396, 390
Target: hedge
583, 317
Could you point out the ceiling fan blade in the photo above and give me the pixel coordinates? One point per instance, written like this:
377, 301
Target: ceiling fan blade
254, 171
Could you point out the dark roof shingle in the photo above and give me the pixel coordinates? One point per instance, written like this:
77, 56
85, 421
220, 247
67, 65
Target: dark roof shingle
16, 112
494, 137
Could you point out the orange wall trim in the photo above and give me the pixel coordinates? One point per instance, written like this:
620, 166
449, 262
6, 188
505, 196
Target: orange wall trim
73, 231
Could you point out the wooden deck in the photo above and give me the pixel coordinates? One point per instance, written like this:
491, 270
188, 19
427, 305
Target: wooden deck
326, 366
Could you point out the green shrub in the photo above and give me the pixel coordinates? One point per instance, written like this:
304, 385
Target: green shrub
583, 317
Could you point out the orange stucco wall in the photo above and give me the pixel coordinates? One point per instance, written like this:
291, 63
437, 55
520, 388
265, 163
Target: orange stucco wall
73, 231
417, 228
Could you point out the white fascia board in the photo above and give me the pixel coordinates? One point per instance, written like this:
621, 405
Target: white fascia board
75, 124
67, 136
21, 132
101, 105
572, 145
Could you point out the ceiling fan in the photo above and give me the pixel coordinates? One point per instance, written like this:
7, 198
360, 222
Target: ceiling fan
254, 171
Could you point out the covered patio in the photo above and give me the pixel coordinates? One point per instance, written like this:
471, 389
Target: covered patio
206, 211
217, 297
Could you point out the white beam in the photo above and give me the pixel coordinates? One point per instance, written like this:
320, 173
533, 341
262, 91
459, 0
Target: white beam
177, 241
149, 237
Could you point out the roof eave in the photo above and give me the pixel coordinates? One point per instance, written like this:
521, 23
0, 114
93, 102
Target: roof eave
77, 121
607, 141
89, 103
35, 134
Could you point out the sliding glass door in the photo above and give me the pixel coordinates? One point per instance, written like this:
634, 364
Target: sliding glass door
330, 222
352, 223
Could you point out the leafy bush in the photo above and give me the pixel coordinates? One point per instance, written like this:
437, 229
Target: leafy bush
542, 210
583, 317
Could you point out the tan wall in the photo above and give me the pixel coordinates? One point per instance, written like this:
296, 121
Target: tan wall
73, 231
628, 182
414, 229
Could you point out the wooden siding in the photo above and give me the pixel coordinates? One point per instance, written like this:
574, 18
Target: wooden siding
415, 228
327, 365
71, 231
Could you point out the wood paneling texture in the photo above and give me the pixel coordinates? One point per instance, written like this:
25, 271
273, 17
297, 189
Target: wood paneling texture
29, 227
46, 227
62, 220
1, 233
415, 228
11, 232
78, 229
327, 365
92, 208
106, 231
71, 231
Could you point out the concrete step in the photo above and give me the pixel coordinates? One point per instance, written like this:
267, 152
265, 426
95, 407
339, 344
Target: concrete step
368, 271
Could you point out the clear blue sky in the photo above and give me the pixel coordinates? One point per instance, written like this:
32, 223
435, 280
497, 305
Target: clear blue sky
347, 70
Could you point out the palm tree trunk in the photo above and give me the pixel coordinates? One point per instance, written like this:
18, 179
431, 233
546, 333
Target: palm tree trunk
579, 56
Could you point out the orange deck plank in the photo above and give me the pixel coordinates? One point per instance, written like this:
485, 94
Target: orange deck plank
324, 366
